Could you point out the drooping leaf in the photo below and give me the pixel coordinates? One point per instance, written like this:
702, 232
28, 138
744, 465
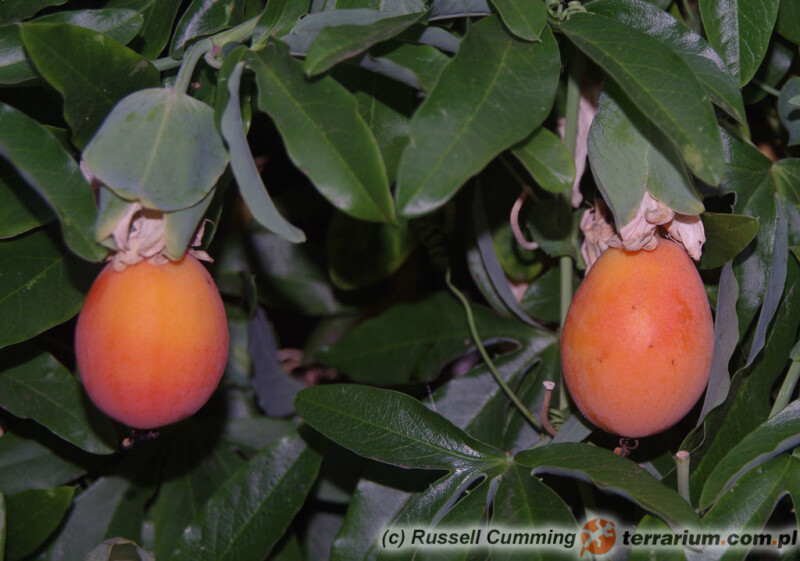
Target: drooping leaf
40, 388
32, 516
90, 70
459, 127
547, 160
629, 156
413, 342
181, 226
778, 434
158, 146
704, 61
42, 285
790, 113
392, 427
47, 167
334, 148
335, 44
246, 517
244, 168
418, 66
726, 236
525, 20
205, 17
739, 31
612, 473
659, 83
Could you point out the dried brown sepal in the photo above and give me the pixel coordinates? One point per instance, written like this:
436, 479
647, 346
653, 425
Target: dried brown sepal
652, 219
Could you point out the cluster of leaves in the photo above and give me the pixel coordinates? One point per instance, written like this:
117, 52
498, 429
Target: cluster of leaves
394, 137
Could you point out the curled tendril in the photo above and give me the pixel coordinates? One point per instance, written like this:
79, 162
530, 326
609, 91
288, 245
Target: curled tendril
562, 10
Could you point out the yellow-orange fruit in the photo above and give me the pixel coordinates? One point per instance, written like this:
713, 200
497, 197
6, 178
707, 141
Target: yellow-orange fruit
152, 342
638, 340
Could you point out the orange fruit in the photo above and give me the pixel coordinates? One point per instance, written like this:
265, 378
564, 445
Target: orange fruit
637, 342
152, 342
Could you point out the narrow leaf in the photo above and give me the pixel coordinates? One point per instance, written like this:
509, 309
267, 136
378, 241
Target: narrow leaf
547, 160
335, 44
90, 70
739, 31
391, 427
41, 160
460, 127
43, 390
659, 83
32, 516
42, 285
324, 134
611, 473
247, 516
205, 17
244, 169
778, 434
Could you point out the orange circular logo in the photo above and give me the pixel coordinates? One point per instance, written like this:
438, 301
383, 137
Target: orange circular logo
598, 536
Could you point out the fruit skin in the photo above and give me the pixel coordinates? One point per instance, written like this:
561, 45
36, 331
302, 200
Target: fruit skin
152, 342
638, 340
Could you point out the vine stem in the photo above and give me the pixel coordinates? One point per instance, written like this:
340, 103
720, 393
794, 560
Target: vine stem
199, 49
482, 350
570, 134
787, 389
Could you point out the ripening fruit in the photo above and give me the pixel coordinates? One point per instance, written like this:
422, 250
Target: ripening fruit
152, 342
638, 340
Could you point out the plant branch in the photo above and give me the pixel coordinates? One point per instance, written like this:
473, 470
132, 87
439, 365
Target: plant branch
482, 350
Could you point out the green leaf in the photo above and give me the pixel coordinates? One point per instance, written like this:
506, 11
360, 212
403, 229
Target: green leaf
202, 18
788, 111
747, 506
541, 299
277, 19
443, 9
788, 24
740, 32
246, 517
778, 434
611, 473
193, 471
122, 25
525, 20
650, 525
158, 146
523, 501
26, 463
181, 226
90, 70
41, 160
396, 60
14, 66
413, 342
772, 71
20, 210
334, 44
18, 10
41, 286
333, 147
711, 71
244, 169
40, 388
362, 253
659, 83
118, 548
629, 156
726, 236
159, 18
459, 128
392, 427
32, 516
547, 160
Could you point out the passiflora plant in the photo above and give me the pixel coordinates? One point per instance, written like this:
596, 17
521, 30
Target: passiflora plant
400, 199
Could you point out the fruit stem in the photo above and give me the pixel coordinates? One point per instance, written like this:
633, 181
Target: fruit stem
787, 389
199, 49
545, 414
482, 350
682, 463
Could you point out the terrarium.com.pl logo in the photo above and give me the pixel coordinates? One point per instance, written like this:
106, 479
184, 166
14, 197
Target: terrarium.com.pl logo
597, 537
